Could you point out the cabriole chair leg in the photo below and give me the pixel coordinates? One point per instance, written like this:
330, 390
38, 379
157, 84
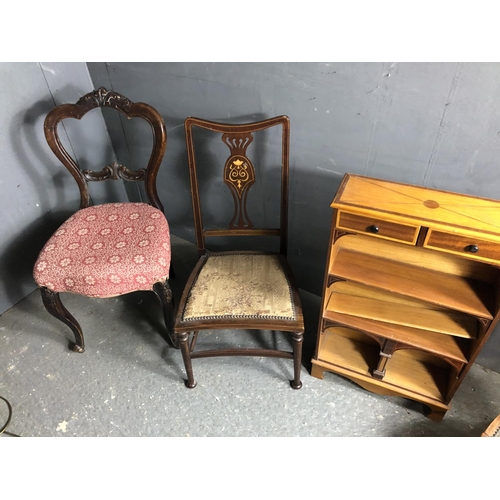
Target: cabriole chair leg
54, 306
164, 293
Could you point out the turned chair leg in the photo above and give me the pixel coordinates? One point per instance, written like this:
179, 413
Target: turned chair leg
54, 306
186, 356
164, 293
297, 340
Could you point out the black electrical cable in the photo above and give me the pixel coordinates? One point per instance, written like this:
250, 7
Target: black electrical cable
2, 430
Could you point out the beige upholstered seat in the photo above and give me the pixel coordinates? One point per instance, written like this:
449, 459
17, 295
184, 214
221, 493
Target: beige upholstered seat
240, 286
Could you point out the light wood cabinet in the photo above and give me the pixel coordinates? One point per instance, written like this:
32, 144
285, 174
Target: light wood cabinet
411, 290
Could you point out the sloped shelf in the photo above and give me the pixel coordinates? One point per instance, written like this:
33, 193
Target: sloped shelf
439, 345
442, 280
354, 299
447, 346
346, 351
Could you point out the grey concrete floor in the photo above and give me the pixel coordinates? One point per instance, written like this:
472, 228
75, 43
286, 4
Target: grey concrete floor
129, 382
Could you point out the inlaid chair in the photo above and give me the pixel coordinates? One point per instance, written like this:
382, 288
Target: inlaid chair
239, 289
109, 249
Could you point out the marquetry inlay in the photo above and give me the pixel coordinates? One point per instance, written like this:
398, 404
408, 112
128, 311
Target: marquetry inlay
239, 174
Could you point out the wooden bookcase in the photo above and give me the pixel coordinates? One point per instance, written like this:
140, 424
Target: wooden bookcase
411, 290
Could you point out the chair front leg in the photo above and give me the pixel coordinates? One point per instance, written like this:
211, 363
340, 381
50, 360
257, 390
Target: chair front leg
297, 341
54, 306
164, 293
186, 356
171, 271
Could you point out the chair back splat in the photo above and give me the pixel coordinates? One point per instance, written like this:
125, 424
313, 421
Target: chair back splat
114, 171
239, 289
239, 175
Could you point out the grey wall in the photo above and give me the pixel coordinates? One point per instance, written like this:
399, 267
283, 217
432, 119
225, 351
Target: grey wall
36, 192
430, 124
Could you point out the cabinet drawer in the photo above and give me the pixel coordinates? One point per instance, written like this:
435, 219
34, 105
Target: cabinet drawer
377, 227
463, 245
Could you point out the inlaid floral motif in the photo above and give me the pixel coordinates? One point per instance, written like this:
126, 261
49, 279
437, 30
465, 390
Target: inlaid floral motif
239, 174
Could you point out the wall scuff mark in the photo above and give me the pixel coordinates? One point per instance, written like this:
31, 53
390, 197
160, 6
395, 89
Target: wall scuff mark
46, 68
442, 125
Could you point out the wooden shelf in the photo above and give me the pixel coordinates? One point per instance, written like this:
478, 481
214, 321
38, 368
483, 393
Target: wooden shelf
440, 345
406, 370
447, 346
358, 300
343, 348
352, 261
418, 256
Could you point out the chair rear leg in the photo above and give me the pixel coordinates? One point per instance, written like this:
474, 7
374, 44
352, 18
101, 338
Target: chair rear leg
186, 356
297, 341
54, 306
164, 293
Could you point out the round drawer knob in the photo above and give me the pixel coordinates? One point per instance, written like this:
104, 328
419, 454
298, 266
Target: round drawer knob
373, 229
473, 248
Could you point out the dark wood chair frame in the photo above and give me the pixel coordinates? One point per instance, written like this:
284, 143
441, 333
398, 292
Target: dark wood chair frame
114, 171
237, 138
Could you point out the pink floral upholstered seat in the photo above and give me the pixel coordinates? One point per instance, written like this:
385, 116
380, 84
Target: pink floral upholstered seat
107, 250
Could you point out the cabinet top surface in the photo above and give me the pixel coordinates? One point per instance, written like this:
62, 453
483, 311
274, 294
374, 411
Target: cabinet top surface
402, 201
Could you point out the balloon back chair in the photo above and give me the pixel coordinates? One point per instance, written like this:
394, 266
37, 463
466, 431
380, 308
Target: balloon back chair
244, 290
109, 249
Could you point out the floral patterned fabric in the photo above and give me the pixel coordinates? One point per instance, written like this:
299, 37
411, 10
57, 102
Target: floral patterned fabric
240, 286
106, 250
